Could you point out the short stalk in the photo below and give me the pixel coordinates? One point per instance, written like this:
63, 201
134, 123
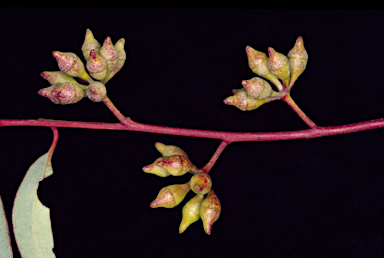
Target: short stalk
115, 111
288, 99
215, 156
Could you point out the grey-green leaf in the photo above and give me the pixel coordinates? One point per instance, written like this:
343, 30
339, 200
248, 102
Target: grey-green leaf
5, 241
30, 218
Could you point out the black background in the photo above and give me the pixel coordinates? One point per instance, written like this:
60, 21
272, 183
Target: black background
303, 198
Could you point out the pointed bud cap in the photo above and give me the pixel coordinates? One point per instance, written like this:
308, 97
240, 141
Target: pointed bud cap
57, 77
63, 93
97, 66
169, 150
96, 91
122, 56
243, 101
176, 165
110, 54
201, 183
89, 43
210, 211
71, 64
170, 196
191, 212
234, 91
279, 65
257, 88
298, 58
156, 170
258, 62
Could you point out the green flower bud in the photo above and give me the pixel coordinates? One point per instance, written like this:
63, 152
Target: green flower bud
170, 196
191, 212
169, 150
89, 43
298, 58
176, 165
201, 183
279, 65
257, 88
210, 211
71, 64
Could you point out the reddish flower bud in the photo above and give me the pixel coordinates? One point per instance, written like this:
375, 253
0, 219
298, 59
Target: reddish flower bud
96, 91
257, 88
210, 211
170, 196
63, 93
201, 183
279, 65
109, 52
191, 212
71, 64
97, 66
243, 101
169, 150
258, 62
155, 169
298, 58
119, 46
89, 43
176, 165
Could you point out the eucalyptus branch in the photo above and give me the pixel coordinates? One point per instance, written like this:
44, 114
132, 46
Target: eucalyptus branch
225, 136
103, 62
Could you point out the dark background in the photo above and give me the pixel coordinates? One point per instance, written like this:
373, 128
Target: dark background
303, 198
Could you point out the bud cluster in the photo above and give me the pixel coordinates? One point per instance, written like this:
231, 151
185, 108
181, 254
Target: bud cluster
277, 67
103, 62
174, 162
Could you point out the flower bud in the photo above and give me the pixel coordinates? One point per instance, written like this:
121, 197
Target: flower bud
210, 211
119, 46
298, 58
257, 88
243, 101
191, 212
279, 65
169, 150
63, 93
71, 64
109, 52
155, 169
96, 91
176, 165
258, 62
57, 77
97, 66
170, 196
201, 183
89, 43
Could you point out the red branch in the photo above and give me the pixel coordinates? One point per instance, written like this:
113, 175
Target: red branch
225, 136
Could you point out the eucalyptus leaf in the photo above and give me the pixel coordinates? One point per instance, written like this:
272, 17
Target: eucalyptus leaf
31, 220
5, 241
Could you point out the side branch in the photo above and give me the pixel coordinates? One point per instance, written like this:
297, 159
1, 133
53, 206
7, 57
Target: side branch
114, 110
225, 136
288, 99
215, 156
